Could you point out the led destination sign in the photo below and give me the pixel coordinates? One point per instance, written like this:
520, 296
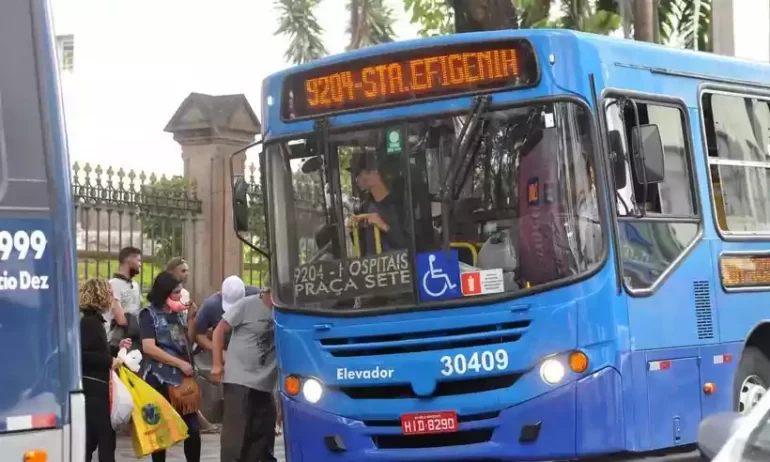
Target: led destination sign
384, 274
410, 76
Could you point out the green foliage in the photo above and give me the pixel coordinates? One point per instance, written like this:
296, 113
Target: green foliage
600, 17
164, 212
301, 25
435, 16
533, 13
685, 23
585, 16
371, 23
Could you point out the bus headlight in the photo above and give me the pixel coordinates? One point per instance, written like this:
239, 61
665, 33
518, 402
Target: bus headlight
312, 390
552, 371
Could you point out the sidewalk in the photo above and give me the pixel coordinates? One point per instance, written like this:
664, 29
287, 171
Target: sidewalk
209, 453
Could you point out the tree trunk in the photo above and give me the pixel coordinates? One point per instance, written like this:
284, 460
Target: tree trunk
357, 24
480, 15
644, 14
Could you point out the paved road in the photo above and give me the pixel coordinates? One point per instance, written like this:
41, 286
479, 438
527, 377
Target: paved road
210, 452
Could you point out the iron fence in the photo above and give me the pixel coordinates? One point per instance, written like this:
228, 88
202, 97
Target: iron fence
160, 215
115, 209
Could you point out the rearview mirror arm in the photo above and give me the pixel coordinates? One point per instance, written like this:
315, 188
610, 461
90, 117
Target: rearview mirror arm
232, 176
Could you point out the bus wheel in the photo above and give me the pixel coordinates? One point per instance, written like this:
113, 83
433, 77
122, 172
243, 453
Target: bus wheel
751, 379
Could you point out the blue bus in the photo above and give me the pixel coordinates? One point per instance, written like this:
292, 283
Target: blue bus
42, 408
516, 245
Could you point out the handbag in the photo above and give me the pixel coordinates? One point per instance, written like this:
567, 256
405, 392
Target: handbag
186, 397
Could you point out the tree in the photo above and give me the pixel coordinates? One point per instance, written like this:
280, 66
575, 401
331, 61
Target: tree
480, 15
644, 15
686, 23
439, 17
371, 23
165, 210
301, 25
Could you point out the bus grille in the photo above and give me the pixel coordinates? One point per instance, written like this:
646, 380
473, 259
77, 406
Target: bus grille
412, 342
460, 438
443, 388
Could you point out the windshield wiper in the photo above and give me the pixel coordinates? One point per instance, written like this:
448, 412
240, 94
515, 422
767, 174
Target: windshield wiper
321, 129
462, 143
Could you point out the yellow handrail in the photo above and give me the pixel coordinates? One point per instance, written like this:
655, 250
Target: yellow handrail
377, 240
469, 246
357, 241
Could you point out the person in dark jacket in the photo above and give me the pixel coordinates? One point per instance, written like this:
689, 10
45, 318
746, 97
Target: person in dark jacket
97, 362
167, 355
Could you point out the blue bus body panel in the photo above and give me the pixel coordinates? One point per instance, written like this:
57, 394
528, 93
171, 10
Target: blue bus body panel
39, 321
649, 354
29, 329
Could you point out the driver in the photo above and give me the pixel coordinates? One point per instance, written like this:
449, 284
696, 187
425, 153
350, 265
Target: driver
379, 209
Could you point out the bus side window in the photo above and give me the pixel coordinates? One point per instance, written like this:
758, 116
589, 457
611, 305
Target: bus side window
738, 139
674, 195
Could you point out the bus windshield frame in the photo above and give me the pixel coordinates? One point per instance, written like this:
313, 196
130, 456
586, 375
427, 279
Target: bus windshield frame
336, 198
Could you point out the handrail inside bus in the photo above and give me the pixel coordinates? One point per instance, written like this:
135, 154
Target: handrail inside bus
357, 241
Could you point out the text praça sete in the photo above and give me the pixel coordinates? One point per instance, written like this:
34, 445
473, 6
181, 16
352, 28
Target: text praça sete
386, 273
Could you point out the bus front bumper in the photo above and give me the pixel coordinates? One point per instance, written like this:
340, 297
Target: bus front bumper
543, 428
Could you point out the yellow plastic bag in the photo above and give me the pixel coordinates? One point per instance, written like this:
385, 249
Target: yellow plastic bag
156, 425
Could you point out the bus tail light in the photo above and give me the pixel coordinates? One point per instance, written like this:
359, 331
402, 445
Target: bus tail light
292, 385
578, 362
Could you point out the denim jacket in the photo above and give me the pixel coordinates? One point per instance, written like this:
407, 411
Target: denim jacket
164, 340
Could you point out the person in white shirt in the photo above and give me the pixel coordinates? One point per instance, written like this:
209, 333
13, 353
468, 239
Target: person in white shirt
123, 318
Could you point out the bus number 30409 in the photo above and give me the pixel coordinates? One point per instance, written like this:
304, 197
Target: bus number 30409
485, 361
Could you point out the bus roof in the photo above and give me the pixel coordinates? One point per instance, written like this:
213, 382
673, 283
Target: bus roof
594, 52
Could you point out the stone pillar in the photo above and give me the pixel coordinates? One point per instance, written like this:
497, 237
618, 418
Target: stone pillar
209, 129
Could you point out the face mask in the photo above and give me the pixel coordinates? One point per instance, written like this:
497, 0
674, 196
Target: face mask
175, 305
174, 302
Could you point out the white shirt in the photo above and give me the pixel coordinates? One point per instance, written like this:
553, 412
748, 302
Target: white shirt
128, 294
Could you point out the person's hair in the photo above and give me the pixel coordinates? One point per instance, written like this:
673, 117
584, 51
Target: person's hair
174, 263
95, 295
164, 284
127, 252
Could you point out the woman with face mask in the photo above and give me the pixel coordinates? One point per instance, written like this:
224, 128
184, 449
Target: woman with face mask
168, 365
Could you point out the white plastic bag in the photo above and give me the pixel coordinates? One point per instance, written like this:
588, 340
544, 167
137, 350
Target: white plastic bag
132, 360
122, 403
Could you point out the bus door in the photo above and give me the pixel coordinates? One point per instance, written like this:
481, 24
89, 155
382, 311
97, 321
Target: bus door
39, 342
665, 263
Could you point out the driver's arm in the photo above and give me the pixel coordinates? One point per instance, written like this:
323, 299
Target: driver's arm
395, 235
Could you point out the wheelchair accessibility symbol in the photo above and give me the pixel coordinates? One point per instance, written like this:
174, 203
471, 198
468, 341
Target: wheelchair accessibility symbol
439, 275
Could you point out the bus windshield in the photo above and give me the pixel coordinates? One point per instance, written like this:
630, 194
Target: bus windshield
498, 206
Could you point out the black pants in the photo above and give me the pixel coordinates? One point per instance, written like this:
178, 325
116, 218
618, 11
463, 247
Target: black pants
248, 425
192, 445
99, 432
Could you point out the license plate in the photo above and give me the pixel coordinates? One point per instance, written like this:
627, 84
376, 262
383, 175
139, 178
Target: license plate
426, 423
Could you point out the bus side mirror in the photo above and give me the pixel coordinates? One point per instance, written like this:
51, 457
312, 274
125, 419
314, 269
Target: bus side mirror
240, 204
617, 159
647, 138
312, 165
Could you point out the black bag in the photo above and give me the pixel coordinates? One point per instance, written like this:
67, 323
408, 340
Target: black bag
118, 333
